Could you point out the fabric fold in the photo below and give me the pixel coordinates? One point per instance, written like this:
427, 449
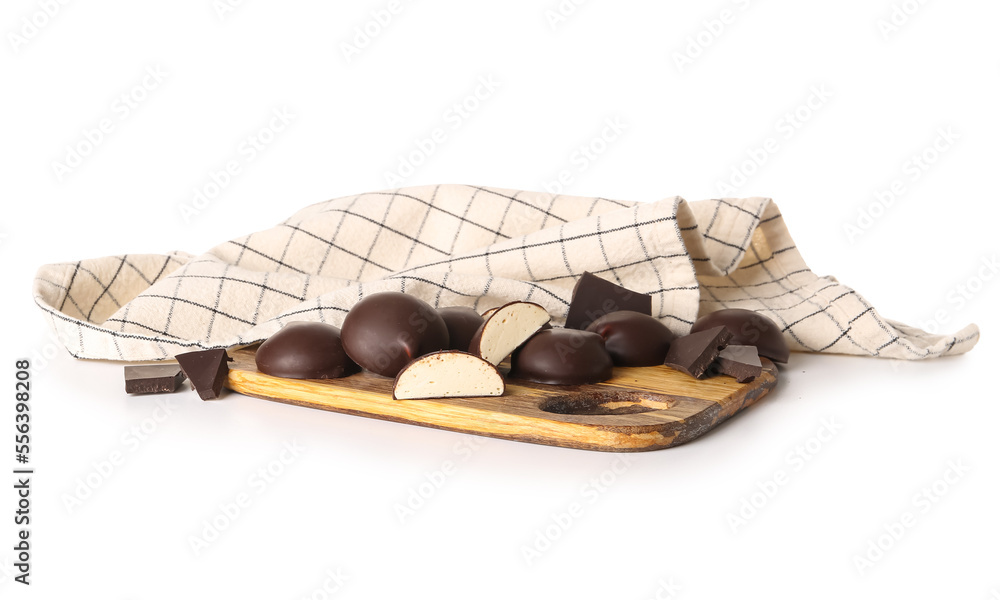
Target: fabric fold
472, 246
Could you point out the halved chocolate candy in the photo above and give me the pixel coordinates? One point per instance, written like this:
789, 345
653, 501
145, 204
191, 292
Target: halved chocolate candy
694, 353
305, 350
594, 297
447, 374
633, 339
506, 329
207, 370
748, 328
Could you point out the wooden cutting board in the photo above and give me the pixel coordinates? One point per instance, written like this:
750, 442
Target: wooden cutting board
641, 408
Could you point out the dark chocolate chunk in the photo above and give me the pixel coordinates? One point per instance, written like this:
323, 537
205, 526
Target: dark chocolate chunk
305, 350
594, 297
153, 379
462, 323
633, 339
739, 361
207, 370
385, 331
694, 353
748, 328
559, 356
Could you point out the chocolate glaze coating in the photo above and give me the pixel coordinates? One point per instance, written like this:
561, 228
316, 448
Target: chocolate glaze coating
305, 350
462, 323
385, 331
560, 356
749, 328
633, 339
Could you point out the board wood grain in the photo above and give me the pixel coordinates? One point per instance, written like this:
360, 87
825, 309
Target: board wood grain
639, 409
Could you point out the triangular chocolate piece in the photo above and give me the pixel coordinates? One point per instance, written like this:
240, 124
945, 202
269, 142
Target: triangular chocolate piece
207, 370
594, 297
694, 353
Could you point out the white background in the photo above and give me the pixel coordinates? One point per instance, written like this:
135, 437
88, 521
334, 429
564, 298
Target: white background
666, 519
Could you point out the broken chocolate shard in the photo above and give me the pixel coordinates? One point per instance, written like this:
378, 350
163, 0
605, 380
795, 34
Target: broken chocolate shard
594, 297
739, 361
153, 379
207, 370
694, 353
748, 328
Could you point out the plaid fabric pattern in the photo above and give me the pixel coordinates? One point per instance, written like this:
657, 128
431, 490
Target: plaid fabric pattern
473, 246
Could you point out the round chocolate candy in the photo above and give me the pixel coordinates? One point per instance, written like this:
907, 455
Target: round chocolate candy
749, 328
462, 323
560, 356
305, 350
385, 331
633, 339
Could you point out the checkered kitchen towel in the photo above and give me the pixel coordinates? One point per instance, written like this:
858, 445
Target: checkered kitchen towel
475, 246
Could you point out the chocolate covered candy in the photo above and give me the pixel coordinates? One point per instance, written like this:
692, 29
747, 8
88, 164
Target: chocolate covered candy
693, 354
633, 339
385, 331
748, 328
559, 356
594, 297
305, 350
447, 374
462, 323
